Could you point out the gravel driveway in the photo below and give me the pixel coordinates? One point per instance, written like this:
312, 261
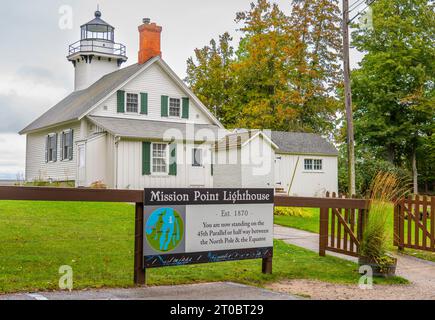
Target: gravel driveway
420, 273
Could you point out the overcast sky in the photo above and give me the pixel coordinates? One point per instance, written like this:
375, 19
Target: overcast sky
35, 74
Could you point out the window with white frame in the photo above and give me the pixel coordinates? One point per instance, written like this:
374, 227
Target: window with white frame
132, 103
318, 165
174, 107
67, 145
160, 158
197, 157
51, 148
313, 164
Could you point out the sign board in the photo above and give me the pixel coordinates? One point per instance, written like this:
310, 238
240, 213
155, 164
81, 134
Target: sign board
190, 226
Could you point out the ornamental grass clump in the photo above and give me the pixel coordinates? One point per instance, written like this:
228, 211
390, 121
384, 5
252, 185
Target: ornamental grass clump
385, 189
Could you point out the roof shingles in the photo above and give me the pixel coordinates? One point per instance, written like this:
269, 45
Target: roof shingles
79, 102
302, 143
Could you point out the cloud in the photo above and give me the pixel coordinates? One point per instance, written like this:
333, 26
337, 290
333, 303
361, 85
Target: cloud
19, 111
12, 151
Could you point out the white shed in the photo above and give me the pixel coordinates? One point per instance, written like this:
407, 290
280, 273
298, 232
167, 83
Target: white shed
244, 160
305, 164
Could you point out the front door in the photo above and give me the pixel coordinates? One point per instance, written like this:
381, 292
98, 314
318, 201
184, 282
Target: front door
81, 165
197, 168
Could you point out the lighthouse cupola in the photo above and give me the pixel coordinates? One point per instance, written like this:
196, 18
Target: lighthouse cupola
96, 53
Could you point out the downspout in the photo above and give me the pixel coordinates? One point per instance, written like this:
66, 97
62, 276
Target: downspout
117, 139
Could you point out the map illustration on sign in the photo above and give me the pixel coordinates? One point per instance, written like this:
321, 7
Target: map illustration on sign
164, 230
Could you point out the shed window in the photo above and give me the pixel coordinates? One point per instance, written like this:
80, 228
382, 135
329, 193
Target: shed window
174, 107
132, 102
67, 145
313, 164
318, 164
160, 158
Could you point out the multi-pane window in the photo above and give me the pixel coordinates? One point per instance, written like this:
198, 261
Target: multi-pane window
67, 145
132, 103
318, 164
197, 157
160, 158
174, 107
51, 148
313, 164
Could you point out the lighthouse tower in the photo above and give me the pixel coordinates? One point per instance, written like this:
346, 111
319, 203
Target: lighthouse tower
96, 53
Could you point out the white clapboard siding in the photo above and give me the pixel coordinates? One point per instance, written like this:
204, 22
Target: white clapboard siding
156, 83
248, 167
258, 170
129, 168
307, 183
38, 169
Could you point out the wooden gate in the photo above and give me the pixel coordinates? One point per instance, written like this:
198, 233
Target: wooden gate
341, 227
414, 223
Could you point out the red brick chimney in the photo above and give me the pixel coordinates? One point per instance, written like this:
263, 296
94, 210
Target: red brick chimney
150, 36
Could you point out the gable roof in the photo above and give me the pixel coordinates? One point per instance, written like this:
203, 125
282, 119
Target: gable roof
80, 103
240, 139
150, 129
302, 143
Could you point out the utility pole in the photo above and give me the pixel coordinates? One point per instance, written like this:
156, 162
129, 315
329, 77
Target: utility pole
348, 101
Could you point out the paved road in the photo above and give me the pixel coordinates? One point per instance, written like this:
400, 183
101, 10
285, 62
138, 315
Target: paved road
420, 273
209, 291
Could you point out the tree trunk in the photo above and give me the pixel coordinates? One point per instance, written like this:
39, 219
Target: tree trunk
414, 172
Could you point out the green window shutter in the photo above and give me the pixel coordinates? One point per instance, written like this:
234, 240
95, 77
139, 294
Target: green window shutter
144, 103
121, 101
55, 147
71, 145
165, 104
173, 159
185, 108
146, 158
47, 141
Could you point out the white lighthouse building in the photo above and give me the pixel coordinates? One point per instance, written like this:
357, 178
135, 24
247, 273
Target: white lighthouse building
96, 53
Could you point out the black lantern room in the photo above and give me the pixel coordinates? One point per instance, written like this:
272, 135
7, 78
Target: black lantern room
98, 29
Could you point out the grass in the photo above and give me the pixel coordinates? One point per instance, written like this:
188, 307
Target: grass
311, 223
96, 240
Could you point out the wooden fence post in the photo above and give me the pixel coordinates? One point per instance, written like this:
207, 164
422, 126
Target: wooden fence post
139, 270
267, 265
323, 232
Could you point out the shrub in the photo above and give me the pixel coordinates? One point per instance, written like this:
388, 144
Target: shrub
385, 188
294, 212
98, 185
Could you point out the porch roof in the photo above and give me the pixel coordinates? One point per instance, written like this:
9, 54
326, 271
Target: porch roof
158, 130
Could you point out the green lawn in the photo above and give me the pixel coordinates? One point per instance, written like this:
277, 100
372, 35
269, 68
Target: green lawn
96, 240
311, 223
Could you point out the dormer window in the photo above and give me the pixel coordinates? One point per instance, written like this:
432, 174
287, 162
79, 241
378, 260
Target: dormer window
175, 107
132, 105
